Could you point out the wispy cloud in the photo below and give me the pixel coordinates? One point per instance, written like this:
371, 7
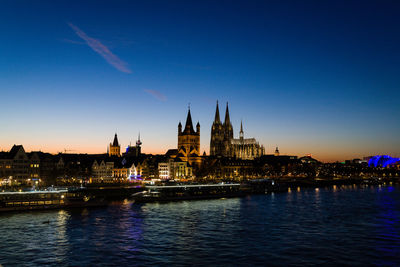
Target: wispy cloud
156, 94
102, 50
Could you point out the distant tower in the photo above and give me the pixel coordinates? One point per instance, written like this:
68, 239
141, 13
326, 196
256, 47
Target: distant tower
134, 151
114, 148
189, 141
276, 152
138, 146
241, 134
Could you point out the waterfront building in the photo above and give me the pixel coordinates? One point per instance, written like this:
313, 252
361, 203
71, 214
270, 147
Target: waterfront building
125, 171
34, 170
114, 149
16, 167
181, 170
217, 168
102, 172
47, 167
6, 168
189, 142
224, 144
164, 170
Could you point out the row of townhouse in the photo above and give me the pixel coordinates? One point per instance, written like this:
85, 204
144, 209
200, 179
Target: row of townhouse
136, 169
18, 167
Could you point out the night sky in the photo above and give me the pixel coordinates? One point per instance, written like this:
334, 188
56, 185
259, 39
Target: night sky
319, 77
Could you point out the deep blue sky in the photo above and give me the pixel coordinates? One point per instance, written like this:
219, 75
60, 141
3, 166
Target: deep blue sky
318, 77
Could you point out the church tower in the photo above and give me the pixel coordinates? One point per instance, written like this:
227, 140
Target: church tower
217, 136
114, 148
189, 141
276, 152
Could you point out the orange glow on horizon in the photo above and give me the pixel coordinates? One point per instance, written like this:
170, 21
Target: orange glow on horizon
88, 148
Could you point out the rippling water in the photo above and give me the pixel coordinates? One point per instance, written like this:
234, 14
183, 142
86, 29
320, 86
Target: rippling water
331, 226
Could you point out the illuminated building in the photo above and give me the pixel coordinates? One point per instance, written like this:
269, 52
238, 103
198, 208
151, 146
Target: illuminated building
114, 149
102, 172
382, 161
189, 142
19, 167
181, 170
164, 170
126, 170
223, 143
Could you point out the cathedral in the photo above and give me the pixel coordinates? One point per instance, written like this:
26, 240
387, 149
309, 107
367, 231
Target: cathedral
189, 142
223, 144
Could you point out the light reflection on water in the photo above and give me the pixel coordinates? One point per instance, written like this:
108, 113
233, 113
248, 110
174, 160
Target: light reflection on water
332, 225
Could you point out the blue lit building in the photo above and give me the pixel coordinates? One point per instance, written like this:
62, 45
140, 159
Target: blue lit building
382, 161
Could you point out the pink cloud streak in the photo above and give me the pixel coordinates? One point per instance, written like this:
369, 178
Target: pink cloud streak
102, 50
156, 94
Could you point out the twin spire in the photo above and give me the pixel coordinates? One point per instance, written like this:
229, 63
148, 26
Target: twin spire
217, 115
227, 119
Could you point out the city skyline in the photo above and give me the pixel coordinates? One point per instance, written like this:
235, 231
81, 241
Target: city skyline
297, 76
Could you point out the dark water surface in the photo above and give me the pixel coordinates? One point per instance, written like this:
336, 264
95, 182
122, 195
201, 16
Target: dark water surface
330, 226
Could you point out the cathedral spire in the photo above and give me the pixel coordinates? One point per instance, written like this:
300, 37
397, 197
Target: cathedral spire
217, 119
227, 119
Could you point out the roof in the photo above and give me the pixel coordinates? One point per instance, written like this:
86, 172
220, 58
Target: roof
14, 150
189, 124
247, 141
171, 152
115, 143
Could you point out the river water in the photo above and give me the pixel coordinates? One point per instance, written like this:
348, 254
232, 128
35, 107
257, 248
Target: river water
339, 225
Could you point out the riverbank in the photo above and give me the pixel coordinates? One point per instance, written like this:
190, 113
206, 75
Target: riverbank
93, 196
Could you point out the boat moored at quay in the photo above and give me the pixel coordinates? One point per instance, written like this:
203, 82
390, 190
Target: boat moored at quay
52, 199
162, 193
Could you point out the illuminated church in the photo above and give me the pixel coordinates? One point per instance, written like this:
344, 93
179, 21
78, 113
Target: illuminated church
189, 142
223, 144
114, 149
